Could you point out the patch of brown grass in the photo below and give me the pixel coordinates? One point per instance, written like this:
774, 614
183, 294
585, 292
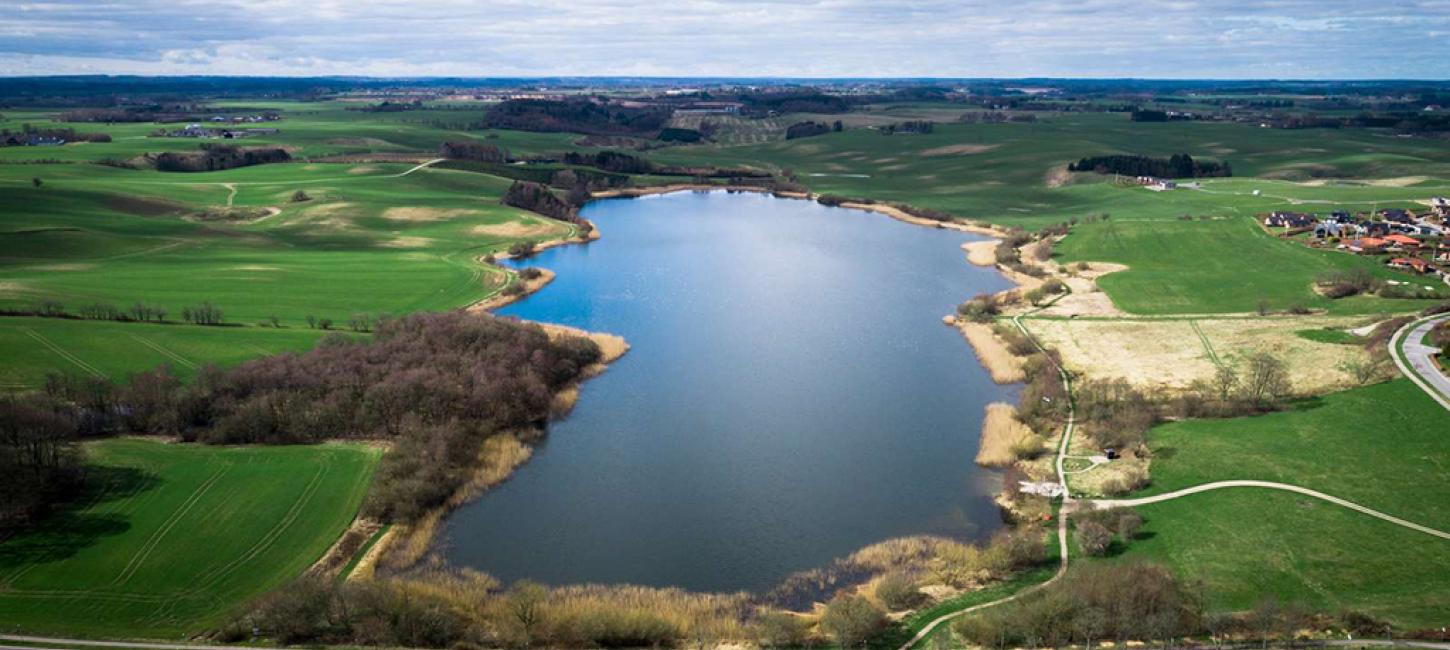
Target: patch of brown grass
529, 228
1004, 437
993, 353
420, 213
955, 149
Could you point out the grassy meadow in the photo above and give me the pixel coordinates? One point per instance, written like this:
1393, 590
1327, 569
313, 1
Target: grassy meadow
1222, 265
172, 537
35, 347
383, 238
1382, 446
1016, 173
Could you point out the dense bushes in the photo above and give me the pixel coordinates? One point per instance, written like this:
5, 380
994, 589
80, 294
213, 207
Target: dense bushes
1093, 603
536, 197
575, 115
215, 157
611, 161
468, 609
1342, 284
1180, 165
40, 464
806, 130
476, 151
437, 384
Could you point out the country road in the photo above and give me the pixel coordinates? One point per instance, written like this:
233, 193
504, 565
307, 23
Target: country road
1417, 361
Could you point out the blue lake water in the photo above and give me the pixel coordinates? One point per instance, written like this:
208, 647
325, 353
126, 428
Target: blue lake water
791, 396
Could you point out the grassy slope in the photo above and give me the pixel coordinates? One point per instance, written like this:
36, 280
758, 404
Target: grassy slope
100, 234
179, 535
1383, 446
1225, 265
116, 349
1007, 181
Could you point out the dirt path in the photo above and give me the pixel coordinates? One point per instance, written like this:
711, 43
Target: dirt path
1067, 502
1270, 485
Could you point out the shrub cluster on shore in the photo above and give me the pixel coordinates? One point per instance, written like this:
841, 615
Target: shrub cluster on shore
464, 608
438, 385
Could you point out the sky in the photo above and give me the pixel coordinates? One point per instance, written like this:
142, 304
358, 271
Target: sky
1221, 39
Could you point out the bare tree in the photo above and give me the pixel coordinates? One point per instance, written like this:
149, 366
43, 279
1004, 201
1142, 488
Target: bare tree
1267, 379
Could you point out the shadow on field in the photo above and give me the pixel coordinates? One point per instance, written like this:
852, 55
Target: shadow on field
76, 526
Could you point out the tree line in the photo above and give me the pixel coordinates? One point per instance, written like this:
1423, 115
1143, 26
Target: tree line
1179, 165
215, 157
576, 116
435, 384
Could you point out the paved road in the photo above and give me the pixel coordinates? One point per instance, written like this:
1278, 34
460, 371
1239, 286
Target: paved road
1416, 363
1221, 485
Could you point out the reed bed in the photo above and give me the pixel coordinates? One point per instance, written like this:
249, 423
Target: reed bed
993, 353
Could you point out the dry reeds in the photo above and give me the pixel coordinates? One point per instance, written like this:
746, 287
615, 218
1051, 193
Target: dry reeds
993, 353
1004, 437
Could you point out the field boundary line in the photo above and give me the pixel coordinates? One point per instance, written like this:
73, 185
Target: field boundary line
168, 353
65, 354
176, 517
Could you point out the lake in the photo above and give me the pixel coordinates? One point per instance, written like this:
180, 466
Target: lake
790, 397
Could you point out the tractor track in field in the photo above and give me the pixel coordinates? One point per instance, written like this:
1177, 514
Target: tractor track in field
65, 354
175, 518
164, 352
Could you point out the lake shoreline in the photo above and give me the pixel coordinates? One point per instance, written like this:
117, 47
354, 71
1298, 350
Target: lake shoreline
567, 401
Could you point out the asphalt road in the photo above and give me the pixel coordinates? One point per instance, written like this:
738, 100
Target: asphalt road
1417, 363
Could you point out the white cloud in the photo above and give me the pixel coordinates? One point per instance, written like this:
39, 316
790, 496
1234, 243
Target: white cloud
1146, 38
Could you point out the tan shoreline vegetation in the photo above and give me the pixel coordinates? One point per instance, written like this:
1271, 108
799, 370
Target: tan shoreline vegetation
1005, 439
1001, 364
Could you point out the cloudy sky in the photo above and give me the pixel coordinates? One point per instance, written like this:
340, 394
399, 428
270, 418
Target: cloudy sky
810, 38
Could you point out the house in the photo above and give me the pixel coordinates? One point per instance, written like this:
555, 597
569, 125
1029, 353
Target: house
1397, 215
1337, 229
1375, 228
1290, 220
1442, 254
1410, 263
1441, 206
1365, 245
1163, 185
1402, 241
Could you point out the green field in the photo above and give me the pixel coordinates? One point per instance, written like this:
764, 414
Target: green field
1383, 446
373, 239
1243, 545
174, 536
1013, 173
1224, 265
36, 347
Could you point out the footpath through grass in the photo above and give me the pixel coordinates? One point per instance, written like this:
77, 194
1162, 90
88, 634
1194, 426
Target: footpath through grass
172, 537
1385, 446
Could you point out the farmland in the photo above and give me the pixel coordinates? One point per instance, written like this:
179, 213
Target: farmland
363, 225
172, 537
1380, 445
96, 234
